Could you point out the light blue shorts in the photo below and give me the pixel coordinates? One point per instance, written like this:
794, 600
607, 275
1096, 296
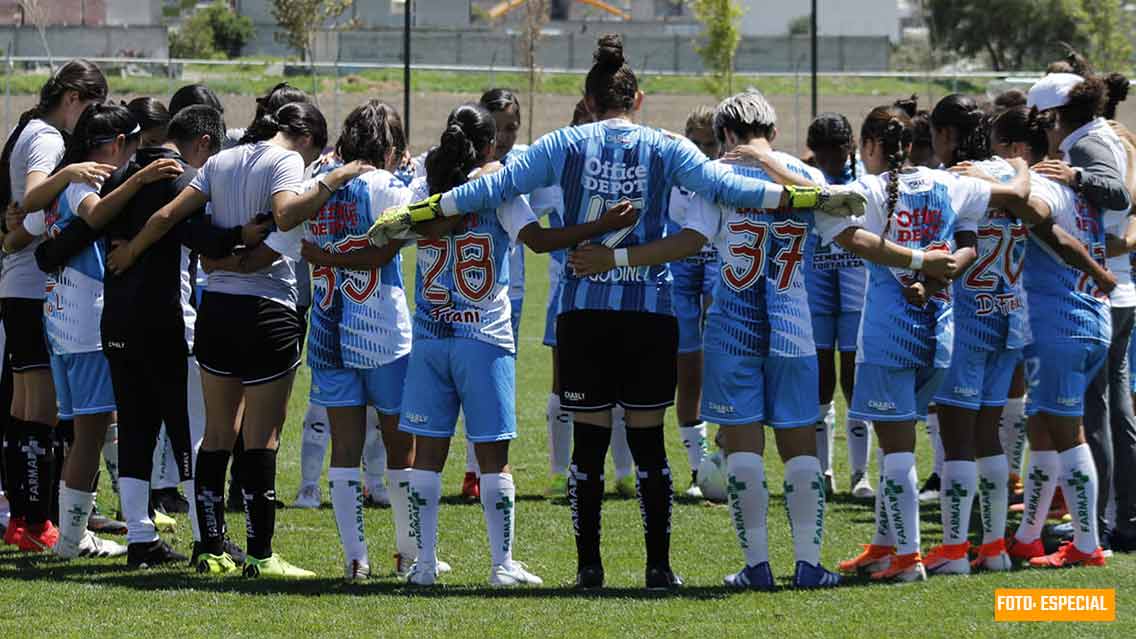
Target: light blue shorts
82, 384
742, 389
452, 374
978, 377
518, 307
379, 387
550, 315
694, 279
1059, 372
888, 394
841, 329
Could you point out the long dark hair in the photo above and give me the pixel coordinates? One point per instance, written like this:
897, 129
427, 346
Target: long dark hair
892, 128
469, 129
192, 94
971, 126
497, 100
370, 132
294, 119
150, 114
80, 76
833, 130
279, 95
1021, 124
611, 84
100, 124
1087, 100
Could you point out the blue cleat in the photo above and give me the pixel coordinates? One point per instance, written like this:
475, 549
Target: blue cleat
810, 576
759, 577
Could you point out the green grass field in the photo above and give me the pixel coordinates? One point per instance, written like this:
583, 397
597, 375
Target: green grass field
43, 596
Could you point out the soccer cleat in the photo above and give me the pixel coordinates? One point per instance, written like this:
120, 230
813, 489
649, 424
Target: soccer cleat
1025, 551
662, 578
625, 487
235, 552
16, 528
422, 575
693, 492
948, 559
992, 557
814, 576
169, 500
403, 566
356, 570
829, 485
557, 485
222, 564
1068, 556
757, 577
512, 573
163, 522
308, 497
588, 577
92, 546
274, 566
903, 568
861, 487
376, 497
39, 538
872, 559
930, 491
100, 523
151, 554
471, 487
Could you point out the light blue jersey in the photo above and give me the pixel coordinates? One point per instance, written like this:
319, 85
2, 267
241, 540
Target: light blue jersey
74, 301
359, 318
598, 165
834, 277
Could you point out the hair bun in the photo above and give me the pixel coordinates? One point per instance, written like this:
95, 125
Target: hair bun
1117, 87
910, 105
609, 51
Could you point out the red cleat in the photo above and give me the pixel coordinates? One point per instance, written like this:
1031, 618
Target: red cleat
873, 558
1068, 556
39, 538
471, 487
15, 531
1025, 551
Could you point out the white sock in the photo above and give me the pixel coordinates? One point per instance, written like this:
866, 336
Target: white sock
110, 455
749, 504
398, 483
993, 496
883, 535
1012, 432
374, 454
498, 503
694, 440
859, 434
620, 452
74, 509
471, 459
1041, 482
902, 501
313, 446
135, 496
170, 473
158, 461
187, 490
1079, 485
559, 436
932, 424
424, 493
824, 436
804, 501
347, 503
960, 482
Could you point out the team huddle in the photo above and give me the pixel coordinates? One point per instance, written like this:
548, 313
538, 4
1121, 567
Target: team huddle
162, 274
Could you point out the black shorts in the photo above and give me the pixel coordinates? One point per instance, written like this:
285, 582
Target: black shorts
251, 338
23, 329
616, 357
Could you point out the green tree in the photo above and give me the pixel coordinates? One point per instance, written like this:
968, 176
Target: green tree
301, 19
212, 32
718, 45
1108, 27
1011, 34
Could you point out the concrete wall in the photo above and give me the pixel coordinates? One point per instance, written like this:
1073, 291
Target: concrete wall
70, 42
834, 17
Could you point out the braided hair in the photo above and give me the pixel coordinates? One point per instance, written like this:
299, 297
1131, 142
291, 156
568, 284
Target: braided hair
971, 126
833, 130
891, 127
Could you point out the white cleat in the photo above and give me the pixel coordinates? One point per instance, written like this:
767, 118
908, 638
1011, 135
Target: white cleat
403, 566
512, 573
377, 496
861, 487
90, 546
356, 571
308, 497
694, 492
422, 575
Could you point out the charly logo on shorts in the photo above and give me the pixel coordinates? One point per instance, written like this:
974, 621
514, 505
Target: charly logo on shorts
573, 396
1069, 401
880, 404
415, 418
965, 391
722, 409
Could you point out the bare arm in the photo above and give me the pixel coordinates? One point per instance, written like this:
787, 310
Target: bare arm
111, 205
597, 258
243, 261
290, 210
543, 240
1123, 245
41, 189
359, 259
872, 247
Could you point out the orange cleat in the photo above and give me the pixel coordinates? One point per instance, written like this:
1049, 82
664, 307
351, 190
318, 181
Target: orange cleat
992, 557
1068, 556
15, 531
873, 558
471, 487
1025, 551
39, 538
903, 568
948, 559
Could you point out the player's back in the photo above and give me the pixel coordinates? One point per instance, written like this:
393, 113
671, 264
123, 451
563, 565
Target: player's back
74, 300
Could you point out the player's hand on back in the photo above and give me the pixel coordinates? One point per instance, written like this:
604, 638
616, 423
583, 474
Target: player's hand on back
622, 215
93, 173
970, 169
591, 259
160, 170
254, 232
842, 201
313, 254
487, 169
939, 264
121, 257
1058, 171
14, 216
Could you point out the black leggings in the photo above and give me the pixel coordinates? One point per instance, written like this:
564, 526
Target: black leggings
149, 389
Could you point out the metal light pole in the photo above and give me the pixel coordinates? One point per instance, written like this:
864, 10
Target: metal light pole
407, 9
813, 35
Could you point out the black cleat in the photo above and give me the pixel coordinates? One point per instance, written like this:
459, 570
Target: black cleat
169, 500
151, 554
234, 551
662, 578
589, 577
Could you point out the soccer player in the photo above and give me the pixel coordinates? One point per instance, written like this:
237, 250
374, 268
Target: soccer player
835, 280
905, 347
30, 155
616, 331
248, 341
463, 355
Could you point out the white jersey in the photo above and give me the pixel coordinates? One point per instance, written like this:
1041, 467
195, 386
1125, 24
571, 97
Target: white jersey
73, 306
188, 310
1115, 222
40, 148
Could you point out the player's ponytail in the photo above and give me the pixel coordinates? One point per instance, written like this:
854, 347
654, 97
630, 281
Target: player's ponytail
970, 124
611, 84
470, 130
892, 129
1117, 85
295, 119
1022, 124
